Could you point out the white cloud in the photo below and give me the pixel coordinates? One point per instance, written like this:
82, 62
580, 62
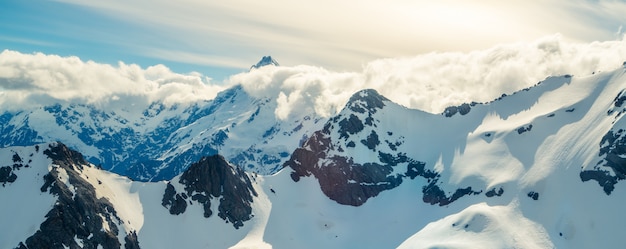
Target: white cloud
39, 79
433, 81
429, 82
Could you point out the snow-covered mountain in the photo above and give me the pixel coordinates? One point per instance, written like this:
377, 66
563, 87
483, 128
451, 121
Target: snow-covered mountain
160, 141
541, 168
265, 61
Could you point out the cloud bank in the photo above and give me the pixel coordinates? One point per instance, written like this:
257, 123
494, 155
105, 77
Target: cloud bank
429, 82
433, 81
28, 80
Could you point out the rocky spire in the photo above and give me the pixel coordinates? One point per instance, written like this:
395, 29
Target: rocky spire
265, 61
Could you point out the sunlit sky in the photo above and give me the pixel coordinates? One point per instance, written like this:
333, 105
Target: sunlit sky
220, 38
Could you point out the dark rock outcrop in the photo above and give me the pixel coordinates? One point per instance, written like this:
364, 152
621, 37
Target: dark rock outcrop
524, 128
351, 183
366, 101
173, 201
462, 109
7, 175
433, 194
78, 214
613, 153
340, 178
618, 101
493, 192
213, 179
350, 126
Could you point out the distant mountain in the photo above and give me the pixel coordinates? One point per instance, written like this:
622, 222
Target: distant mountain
541, 168
265, 61
160, 142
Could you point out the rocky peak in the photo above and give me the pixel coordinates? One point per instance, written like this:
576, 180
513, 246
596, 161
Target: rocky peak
368, 100
60, 153
79, 219
213, 179
265, 61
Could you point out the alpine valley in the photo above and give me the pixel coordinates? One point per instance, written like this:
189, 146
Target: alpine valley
540, 168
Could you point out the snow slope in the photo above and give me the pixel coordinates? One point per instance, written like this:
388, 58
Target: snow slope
541, 168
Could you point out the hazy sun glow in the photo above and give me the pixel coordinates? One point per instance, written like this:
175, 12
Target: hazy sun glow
337, 35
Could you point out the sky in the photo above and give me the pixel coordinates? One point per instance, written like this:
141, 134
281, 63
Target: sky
219, 38
421, 54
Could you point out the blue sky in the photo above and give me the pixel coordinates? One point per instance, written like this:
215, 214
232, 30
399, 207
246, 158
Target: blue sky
219, 39
65, 29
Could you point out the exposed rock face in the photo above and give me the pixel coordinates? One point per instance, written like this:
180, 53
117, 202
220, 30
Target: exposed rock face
524, 128
533, 195
366, 101
213, 179
78, 214
612, 167
350, 183
340, 178
173, 201
493, 192
462, 109
265, 61
7, 173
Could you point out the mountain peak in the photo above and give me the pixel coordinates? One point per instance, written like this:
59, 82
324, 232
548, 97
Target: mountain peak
265, 61
367, 99
213, 177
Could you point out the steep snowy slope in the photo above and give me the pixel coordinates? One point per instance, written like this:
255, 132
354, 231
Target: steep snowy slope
523, 165
243, 129
58, 200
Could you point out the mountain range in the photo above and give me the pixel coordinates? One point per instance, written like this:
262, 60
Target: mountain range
158, 142
539, 168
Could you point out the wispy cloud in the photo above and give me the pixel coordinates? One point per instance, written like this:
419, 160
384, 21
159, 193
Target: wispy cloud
343, 35
28, 41
195, 58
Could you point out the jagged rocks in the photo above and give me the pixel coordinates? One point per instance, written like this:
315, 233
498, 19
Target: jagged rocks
524, 128
350, 126
340, 178
347, 182
213, 179
130, 241
174, 201
462, 109
434, 195
78, 215
371, 141
366, 101
493, 192
265, 61
350, 183
7, 175
613, 150
618, 101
